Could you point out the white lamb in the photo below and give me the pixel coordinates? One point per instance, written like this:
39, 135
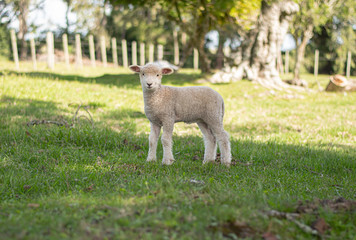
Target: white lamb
165, 105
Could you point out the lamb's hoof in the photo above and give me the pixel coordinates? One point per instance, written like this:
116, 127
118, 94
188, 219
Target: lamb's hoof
167, 161
151, 159
208, 161
227, 164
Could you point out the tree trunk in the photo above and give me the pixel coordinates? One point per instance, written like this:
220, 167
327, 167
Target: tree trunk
69, 2
101, 31
187, 50
299, 57
204, 61
23, 9
260, 49
196, 39
220, 52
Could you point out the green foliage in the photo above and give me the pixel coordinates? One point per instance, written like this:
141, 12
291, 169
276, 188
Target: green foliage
334, 35
4, 41
80, 182
142, 24
311, 12
197, 18
343, 35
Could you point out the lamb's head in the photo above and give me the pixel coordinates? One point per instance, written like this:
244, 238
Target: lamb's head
151, 75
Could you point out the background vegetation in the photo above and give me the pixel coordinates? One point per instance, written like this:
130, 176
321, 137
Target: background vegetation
325, 25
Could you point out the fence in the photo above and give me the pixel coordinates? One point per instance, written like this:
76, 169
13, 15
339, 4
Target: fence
283, 63
78, 52
110, 52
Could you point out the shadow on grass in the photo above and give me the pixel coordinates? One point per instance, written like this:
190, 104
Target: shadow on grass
119, 80
20, 110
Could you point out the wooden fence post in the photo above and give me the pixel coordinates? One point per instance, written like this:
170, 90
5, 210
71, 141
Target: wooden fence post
134, 53
160, 52
151, 52
286, 70
78, 51
92, 50
33, 52
15, 53
50, 50
124, 53
316, 68
114, 51
196, 59
176, 47
142, 54
103, 51
65, 49
348, 65
316, 63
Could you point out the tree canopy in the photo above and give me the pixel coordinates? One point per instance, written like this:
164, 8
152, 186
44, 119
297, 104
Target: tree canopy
197, 18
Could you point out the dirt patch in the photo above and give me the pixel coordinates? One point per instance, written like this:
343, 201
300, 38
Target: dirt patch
237, 228
336, 205
320, 225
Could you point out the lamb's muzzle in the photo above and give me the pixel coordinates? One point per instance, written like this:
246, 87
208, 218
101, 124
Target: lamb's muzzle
165, 105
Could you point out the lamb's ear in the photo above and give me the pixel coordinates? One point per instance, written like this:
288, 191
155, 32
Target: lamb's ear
135, 68
167, 71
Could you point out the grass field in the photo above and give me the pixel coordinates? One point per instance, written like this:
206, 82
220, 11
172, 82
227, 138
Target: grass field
88, 179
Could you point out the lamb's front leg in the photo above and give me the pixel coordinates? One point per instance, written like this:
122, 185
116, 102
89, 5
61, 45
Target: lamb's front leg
168, 158
209, 143
153, 139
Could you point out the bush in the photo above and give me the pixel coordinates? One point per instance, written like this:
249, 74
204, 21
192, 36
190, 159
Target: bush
4, 41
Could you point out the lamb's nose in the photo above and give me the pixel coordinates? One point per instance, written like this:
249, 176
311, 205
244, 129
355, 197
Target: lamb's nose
149, 84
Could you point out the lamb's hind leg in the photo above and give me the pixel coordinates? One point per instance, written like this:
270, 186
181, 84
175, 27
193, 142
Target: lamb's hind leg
153, 139
224, 143
209, 143
168, 158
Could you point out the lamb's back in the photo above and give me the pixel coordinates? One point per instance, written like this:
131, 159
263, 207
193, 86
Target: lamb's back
192, 104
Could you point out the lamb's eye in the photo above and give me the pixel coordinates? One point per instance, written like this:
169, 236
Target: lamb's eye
157, 75
143, 74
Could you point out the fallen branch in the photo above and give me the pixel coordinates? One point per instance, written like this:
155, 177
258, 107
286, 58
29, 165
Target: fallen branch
291, 217
76, 112
75, 119
38, 122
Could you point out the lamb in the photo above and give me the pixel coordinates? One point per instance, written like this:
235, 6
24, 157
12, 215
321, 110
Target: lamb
166, 105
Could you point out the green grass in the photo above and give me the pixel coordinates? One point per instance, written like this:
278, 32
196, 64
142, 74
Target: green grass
85, 182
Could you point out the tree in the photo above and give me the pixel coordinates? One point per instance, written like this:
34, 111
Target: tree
5, 17
69, 9
21, 9
139, 23
197, 18
91, 17
343, 33
312, 14
261, 45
